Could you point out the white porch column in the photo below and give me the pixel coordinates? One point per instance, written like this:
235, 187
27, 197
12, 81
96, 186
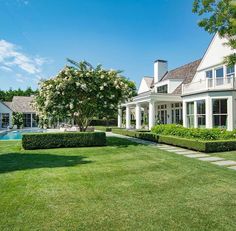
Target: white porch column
151, 115
138, 116
230, 112
119, 118
195, 114
208, 110
169, 114
128, 114
185, 124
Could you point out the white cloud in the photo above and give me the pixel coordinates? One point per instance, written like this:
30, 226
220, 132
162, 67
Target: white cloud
12, 56
4, 68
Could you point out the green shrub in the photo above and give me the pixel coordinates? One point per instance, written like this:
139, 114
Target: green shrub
194, 133
63, 140
220, 146
193, 144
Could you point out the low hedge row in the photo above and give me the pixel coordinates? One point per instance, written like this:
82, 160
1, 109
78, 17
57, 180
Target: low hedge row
103, 122
197, 145
62, 140
194, 133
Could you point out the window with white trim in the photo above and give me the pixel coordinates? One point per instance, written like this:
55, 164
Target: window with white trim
162, 89
162, 114
219, 72
190, 114
5, 120
220, 113
230, 71
176, 113
209, 74
201, 113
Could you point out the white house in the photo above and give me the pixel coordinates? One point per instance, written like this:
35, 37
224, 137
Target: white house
20, 104
201, 94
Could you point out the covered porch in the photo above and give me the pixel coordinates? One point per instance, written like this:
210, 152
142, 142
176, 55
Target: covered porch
149, 109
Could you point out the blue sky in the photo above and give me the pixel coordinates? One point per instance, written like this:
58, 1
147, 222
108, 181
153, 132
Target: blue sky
37, 36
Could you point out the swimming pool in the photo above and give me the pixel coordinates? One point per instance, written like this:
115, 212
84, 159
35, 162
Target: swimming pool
17, 135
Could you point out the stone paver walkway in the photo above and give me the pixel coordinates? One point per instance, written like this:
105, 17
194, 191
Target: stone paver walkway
182, 151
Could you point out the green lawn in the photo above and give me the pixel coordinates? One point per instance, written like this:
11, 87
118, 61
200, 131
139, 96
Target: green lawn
226, 155
123, 186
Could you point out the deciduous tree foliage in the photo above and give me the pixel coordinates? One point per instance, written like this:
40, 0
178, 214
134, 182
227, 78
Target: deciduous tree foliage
82, 92
219, 16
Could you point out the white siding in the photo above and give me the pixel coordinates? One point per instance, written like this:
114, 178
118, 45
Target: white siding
143, 87
5, 109
213, 57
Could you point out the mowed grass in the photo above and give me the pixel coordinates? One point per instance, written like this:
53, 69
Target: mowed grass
227, 155
123, 186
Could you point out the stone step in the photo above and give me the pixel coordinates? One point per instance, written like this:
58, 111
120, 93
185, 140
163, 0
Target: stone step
211, 159
225, 163
197, 155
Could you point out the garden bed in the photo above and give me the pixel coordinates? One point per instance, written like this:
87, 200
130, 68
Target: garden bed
192, 144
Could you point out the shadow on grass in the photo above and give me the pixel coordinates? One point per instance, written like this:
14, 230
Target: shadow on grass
120, 142
15, 161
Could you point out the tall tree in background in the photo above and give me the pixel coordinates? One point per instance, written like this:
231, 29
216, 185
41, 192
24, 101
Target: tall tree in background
219, 16
9, 94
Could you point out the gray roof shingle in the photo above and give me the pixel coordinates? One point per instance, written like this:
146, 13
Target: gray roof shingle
185, 73
21, 104
149, 81
188, 71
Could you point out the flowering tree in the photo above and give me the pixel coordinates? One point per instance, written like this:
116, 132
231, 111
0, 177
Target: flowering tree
82, 92
17, 119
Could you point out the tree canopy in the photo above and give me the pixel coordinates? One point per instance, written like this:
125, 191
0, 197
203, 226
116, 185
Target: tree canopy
9, 94
219, 16
82, 92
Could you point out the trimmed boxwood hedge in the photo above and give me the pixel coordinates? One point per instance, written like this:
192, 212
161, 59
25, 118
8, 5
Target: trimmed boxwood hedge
205, 134
63, 140
197, 145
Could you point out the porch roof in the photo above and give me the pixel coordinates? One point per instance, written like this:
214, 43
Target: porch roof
156, 97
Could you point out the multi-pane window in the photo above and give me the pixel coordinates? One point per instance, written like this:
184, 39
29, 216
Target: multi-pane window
219, 72
162, 89
201, 113
34, 120
209, 74
230, 71
5, 120
176, 113
190, 114
220, 113
162, 114
27, 120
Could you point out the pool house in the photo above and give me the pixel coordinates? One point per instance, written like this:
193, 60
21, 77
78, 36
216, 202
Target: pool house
20, 104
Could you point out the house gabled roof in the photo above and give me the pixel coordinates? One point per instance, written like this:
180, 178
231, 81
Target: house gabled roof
149, 81
188, 72
184, 72
21, 104
7, 104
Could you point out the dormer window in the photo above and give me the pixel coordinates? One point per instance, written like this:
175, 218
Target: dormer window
209, 74
230, 71
162, 89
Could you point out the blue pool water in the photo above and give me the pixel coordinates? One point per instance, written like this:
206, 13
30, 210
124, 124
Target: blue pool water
17, 135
